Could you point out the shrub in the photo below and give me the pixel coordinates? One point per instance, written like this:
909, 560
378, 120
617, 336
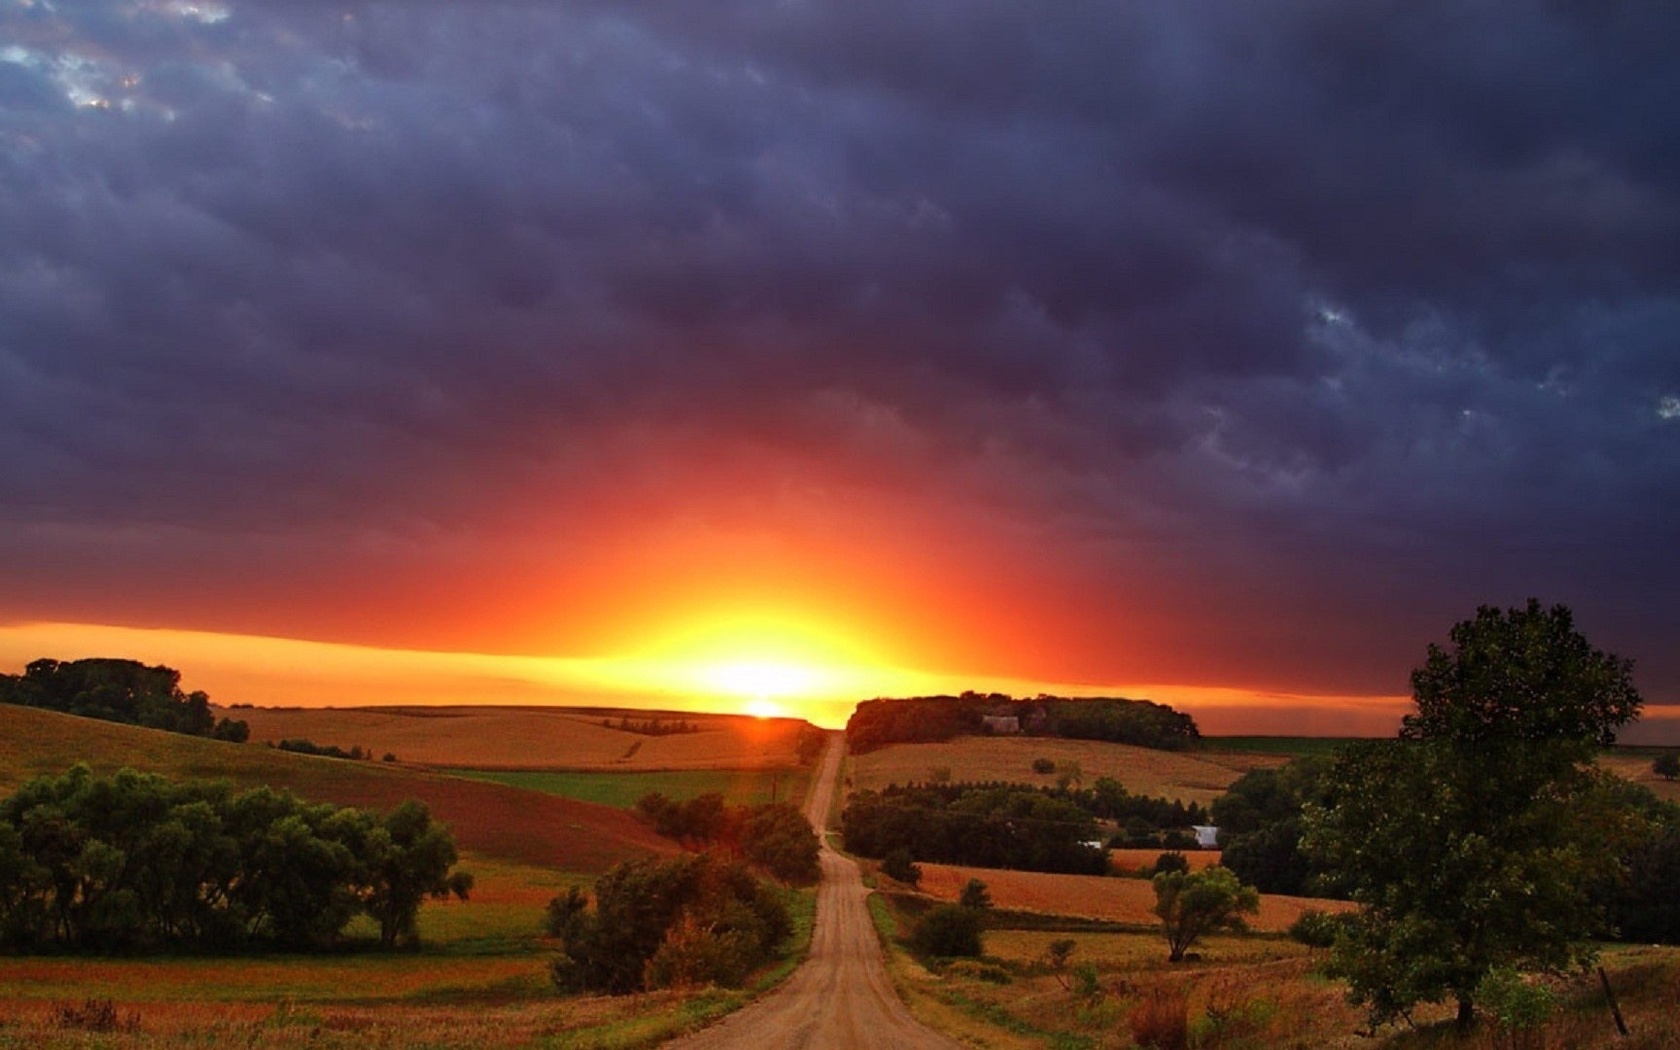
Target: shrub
1315, 928
1043, 766
1161, 1020
1172, 861
948, 930
899, 866
1519, 1008
1667, 766
975, 895
95, 1015
689, 920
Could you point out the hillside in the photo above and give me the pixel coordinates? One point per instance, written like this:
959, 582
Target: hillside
534, 737
1196, 776
491, 819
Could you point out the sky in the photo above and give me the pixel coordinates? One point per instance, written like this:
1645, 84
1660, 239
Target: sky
1221, 353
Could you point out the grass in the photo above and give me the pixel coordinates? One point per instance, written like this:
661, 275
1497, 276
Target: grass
480, 982
621, 790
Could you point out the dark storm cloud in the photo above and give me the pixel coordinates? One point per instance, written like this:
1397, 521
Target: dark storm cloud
1324, 289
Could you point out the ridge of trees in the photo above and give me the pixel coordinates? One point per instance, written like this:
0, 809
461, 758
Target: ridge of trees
920, 719
773, 835
116, 690
135, 861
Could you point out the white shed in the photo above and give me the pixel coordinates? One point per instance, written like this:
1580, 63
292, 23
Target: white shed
1207, 836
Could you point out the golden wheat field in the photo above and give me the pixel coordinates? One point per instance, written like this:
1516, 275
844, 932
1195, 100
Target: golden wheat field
1199, 776
1129, 901
1129, 861
533, 737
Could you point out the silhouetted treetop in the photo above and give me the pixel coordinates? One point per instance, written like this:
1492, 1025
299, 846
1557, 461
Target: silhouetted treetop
114, 690
877, 723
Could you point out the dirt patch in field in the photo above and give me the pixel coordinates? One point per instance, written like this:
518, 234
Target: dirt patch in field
533, 737
1190, 776
1094, 896
493, 819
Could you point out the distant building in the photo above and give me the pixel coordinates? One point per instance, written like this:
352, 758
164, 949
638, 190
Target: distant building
1207, 836
1001, 724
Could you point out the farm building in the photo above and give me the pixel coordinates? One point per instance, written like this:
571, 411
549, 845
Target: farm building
1001, 724
1207, 836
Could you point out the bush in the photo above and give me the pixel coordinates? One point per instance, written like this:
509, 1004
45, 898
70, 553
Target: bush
948, 930
899, 867
1043, 766
1161, 1020
975, 895
1667, 766
694, 919
1173, 861
1315, 928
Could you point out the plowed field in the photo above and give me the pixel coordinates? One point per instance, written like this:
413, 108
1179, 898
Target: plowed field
532, 737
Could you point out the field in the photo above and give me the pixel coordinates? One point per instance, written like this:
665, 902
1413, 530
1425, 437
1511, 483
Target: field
491, 819
1119, 900
739, 787
1246, 993
1190, 776
1637, 768
533, 738
480, 979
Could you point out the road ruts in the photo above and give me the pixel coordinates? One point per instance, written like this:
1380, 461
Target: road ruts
840, 998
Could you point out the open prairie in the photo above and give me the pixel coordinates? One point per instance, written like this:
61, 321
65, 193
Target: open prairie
1130, 901
492, 819
1190, 776
535, 738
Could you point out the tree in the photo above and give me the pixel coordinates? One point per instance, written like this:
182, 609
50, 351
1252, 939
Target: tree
975, 895
409, 859
1193, 905
1667, 766
1475, 840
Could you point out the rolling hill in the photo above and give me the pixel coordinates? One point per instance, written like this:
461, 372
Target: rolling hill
534, 738
491, 819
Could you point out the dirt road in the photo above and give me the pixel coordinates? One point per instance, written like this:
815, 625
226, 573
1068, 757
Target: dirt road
841, 997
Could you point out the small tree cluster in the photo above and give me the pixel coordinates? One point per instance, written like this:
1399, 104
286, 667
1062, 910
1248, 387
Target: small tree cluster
301, 746
691, 920
125, 691
773, 835
136, 861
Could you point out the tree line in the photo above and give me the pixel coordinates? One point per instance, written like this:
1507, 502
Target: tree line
877, 723
136, 861
992, 826
124, 691
773, 835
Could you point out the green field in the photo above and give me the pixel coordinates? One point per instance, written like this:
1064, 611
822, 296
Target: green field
738, 787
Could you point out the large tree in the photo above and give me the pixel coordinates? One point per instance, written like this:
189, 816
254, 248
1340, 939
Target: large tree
1476, 839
